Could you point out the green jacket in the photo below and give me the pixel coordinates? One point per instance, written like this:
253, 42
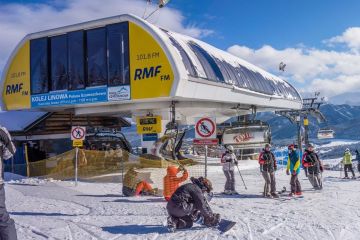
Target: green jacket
347, 159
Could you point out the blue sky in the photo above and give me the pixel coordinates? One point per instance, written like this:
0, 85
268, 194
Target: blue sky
319, 40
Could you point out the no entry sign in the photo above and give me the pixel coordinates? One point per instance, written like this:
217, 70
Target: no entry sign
78, 133
205, 128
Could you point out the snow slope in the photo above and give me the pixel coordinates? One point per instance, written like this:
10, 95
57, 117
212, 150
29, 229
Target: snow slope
59, 210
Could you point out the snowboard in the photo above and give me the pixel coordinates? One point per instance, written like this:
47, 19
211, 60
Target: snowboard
225, 225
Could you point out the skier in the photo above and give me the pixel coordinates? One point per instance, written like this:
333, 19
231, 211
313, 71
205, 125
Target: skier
347, 161
7, 150
268, 167
171, 181
293, 167
188, 205
314, 166
358, 159
229, 161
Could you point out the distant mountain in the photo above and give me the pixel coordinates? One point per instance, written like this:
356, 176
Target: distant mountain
343, 119
349, 98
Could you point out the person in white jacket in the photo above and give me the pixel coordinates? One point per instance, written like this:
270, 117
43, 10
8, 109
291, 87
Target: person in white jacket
229, 161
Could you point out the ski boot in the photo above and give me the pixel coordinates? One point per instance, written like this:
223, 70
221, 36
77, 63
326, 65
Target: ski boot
234, 193
275, 195
353, 177
196, 217
227, 192
291, 194
298, 193
171, 224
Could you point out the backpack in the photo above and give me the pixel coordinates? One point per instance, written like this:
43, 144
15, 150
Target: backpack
6, 152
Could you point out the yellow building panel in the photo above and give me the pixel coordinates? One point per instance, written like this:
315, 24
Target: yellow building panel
16, 92
150, 70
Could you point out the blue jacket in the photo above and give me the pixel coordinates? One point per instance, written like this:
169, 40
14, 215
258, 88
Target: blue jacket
293, 162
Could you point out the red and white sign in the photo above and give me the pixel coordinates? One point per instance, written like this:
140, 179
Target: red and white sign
205, 128
205, 131
206, 141
78, 133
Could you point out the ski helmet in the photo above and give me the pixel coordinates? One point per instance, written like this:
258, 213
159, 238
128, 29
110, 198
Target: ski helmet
203, 183
310, 145
347, 150
291, 146
230, 148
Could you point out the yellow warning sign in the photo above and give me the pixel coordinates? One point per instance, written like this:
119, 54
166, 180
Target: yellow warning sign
78, 143
148, 125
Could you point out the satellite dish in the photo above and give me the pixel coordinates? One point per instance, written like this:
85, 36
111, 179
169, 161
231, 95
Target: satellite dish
282, 66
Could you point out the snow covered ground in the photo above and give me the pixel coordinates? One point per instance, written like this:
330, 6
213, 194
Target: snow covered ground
58, 210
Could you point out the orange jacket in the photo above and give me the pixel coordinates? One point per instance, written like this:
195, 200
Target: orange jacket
171, 181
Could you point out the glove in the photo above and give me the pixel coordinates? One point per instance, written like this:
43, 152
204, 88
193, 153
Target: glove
287, 172
212, 220
275, 168
321, 168
306, 164
236, 163
294, 172
181, 168
262, 162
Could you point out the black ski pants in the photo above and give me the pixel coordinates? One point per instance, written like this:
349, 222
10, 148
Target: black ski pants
349, 167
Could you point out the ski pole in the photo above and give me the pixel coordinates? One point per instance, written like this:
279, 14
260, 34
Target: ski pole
241, 177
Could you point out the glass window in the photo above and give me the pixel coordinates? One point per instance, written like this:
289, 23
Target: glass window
76, 59
96, 57
118, 45
39, 74
184, 56
59, 64
211, 69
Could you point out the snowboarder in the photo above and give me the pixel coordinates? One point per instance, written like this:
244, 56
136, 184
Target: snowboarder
268, 167
347, 162
134, 185
171, 181
229, 161
358, 159
7, 150
188, 205
314, 166
293, 167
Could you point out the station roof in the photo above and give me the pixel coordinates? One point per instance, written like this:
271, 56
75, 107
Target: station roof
204, 78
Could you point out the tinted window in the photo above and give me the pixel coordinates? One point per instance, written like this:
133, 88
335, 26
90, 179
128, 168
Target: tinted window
118, 45
211, 69
39, 66
59, 64
96, 56
76, 58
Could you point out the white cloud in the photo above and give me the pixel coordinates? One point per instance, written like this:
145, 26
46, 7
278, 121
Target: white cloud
17, 20
330, 71
351, 38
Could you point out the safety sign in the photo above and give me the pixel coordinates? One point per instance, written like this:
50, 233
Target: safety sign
78, 133
205, 128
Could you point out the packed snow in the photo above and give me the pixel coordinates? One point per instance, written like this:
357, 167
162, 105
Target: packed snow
48, 209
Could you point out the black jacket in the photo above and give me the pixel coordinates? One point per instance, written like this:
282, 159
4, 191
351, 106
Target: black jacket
267, 161
313, 162
187, 198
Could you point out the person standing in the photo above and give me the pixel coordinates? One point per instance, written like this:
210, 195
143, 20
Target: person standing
293, 167
268, 167
358, 160
314, 166
229, 161
347, 161
7, 150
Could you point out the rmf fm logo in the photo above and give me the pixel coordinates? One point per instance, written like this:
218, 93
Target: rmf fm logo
150, 72
16, 88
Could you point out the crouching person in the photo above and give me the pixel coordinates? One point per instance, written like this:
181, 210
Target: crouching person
188, 205
314, 167
171, 181
7, 150
268, 167
134, 186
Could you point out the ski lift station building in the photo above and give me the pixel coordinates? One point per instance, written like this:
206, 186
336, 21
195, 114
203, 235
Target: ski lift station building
125, 65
